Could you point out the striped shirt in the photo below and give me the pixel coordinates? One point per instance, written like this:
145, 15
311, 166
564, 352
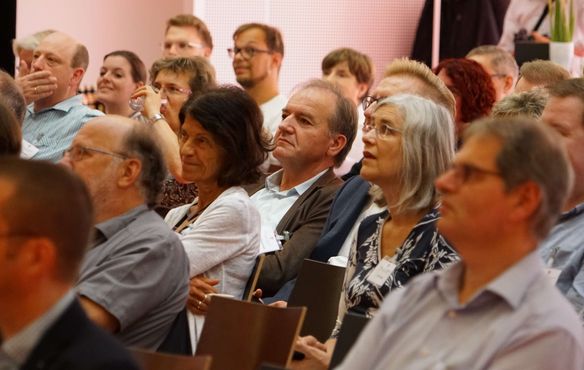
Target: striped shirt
52, 130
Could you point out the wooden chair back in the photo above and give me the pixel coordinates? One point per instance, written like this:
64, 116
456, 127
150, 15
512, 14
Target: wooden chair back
163, 361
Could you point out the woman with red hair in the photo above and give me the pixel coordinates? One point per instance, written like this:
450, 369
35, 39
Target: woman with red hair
472, 88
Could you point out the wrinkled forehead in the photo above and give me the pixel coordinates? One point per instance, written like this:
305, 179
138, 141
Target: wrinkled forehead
105, 132
58, 43
398, 84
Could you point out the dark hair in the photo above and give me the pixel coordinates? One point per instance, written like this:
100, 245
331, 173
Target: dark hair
201, 71
80, 57
67, 215
137, 67
273, 35
140, 143
10, 135
235, 121
189, 20
11, 96
472, 84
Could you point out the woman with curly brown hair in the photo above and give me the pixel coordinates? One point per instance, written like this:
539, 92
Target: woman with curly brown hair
472, 88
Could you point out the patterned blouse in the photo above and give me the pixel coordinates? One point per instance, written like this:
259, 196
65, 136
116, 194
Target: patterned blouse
423, 250
175, 194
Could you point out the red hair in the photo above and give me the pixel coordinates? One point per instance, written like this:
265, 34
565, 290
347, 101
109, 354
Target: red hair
472, 84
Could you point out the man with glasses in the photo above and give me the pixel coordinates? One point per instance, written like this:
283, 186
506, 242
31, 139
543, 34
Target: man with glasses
186, 36
257, 53
495, 308
42, 324
134, 280
500, 65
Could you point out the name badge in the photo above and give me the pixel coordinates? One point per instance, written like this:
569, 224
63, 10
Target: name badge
28, 150
381, 272
269, 242
552, 274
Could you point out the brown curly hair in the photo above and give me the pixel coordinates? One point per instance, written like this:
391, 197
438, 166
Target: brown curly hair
472, 84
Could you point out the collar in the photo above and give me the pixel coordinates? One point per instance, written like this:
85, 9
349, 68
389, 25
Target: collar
273, 183
19, 347
574, 212
64, 106
511, 285
110, 227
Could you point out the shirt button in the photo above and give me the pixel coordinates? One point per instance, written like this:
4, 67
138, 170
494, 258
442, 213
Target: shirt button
452, 314
424, 352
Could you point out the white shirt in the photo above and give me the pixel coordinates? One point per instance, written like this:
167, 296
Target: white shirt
272, 111
356, 152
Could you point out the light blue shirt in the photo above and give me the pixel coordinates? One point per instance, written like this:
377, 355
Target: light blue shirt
273, 203
52, 130
565, 238
517, 321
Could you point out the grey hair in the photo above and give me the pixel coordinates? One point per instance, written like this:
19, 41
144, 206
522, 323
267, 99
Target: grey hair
532, 152
29, 42
529, 103
344, 119
427, 149
501, 60
140, 143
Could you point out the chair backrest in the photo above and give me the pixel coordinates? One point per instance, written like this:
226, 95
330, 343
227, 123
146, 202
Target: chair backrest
243, 335
162, 361
318, 288
178, 339
352, 326
250, 287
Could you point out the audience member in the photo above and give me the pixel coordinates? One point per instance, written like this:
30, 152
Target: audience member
134, 280
121, 73
353, 73
41, 321
58, 112
10, 135
495, 308
540, 73
23, 49
186, 36
500, 65
409, 141
472, 88
222, 146
528, 103
257, 53
11, 96
561, 250
173, 81
352, 202
530, 18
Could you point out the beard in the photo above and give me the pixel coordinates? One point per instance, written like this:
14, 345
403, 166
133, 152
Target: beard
248, 83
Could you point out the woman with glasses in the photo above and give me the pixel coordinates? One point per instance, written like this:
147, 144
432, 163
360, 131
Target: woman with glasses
121, 73
221, 148
408, 142
173, 81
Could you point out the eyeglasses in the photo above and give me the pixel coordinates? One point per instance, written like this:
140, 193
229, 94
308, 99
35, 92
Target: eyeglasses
382, 131
78, 152
247, 52
181, 45
368, 101
171, 90
464, 172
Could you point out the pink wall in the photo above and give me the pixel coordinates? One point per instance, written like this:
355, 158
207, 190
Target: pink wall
103, 25
384, 29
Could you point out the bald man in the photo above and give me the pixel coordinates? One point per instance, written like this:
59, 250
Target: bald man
134, 280
57, 111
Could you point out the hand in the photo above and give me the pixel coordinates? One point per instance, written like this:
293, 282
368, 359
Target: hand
35, 85
199, 289
538, 37
318, 355
152, 100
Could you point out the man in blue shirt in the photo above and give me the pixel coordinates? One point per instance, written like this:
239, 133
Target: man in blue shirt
57, 112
